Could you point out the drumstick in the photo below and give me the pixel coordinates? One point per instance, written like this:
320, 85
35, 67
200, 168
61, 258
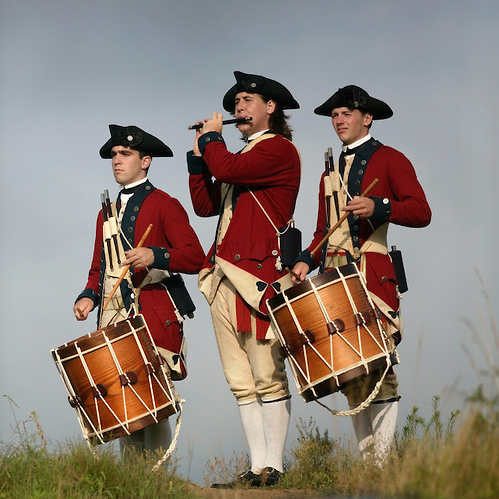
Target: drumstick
343, 218
125, 270
294, 274
80, 312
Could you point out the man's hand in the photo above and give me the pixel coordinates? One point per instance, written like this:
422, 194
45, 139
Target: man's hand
195, 148
82, 308
139, 258
215, 124
301, 269
362, 206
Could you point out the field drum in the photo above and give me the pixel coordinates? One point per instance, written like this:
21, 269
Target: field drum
329, 330
116, 380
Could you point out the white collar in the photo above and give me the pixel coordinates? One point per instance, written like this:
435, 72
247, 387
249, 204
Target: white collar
257, 134
357, 143
133, 184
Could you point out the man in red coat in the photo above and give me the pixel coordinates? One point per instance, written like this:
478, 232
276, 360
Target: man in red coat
397, 198
171, 246
254, 194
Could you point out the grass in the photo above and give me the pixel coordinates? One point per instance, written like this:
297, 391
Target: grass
28, 470
431, 459
437, 459
451, 457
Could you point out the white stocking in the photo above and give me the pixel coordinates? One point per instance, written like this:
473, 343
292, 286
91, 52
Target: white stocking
275, 422
376, 425
158, 436
151, 438
384, 422
362, 427
252, 419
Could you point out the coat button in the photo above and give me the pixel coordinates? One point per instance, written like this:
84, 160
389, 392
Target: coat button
237, 257
259, 266
275, 252
384, 279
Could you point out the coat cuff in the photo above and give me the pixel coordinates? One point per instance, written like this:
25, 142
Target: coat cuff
196, 164
306, 257
161, 257
382, 209
89, 293
207, 138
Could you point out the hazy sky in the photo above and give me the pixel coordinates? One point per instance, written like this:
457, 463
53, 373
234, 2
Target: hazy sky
69, 69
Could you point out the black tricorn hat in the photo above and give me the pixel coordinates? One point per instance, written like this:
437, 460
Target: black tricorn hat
135, 138
355, 97
256, 84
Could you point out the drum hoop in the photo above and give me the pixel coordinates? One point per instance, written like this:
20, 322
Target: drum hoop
113, 331
123, 424
78, 350
319, 281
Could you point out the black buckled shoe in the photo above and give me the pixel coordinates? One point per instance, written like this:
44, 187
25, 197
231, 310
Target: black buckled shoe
248, 478
270, 476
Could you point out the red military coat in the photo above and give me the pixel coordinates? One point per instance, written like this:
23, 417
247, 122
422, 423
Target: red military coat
271, 169
176, 249
399, 199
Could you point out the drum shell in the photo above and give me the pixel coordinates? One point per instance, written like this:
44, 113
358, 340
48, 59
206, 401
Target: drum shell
330, 360
131, 407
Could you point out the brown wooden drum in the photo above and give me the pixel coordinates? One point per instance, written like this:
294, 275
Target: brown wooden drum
329, 330
116, 380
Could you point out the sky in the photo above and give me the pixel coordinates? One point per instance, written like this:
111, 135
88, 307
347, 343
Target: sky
69, 69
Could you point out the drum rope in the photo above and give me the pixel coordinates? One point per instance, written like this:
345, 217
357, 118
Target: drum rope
172, 446
301, 332
377, 386
328, 321
326, 316
320, 302
382, 330
366, 402
146, 362
165, 372
71, 392
121, 373
295, 367
98, 430
356, 312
